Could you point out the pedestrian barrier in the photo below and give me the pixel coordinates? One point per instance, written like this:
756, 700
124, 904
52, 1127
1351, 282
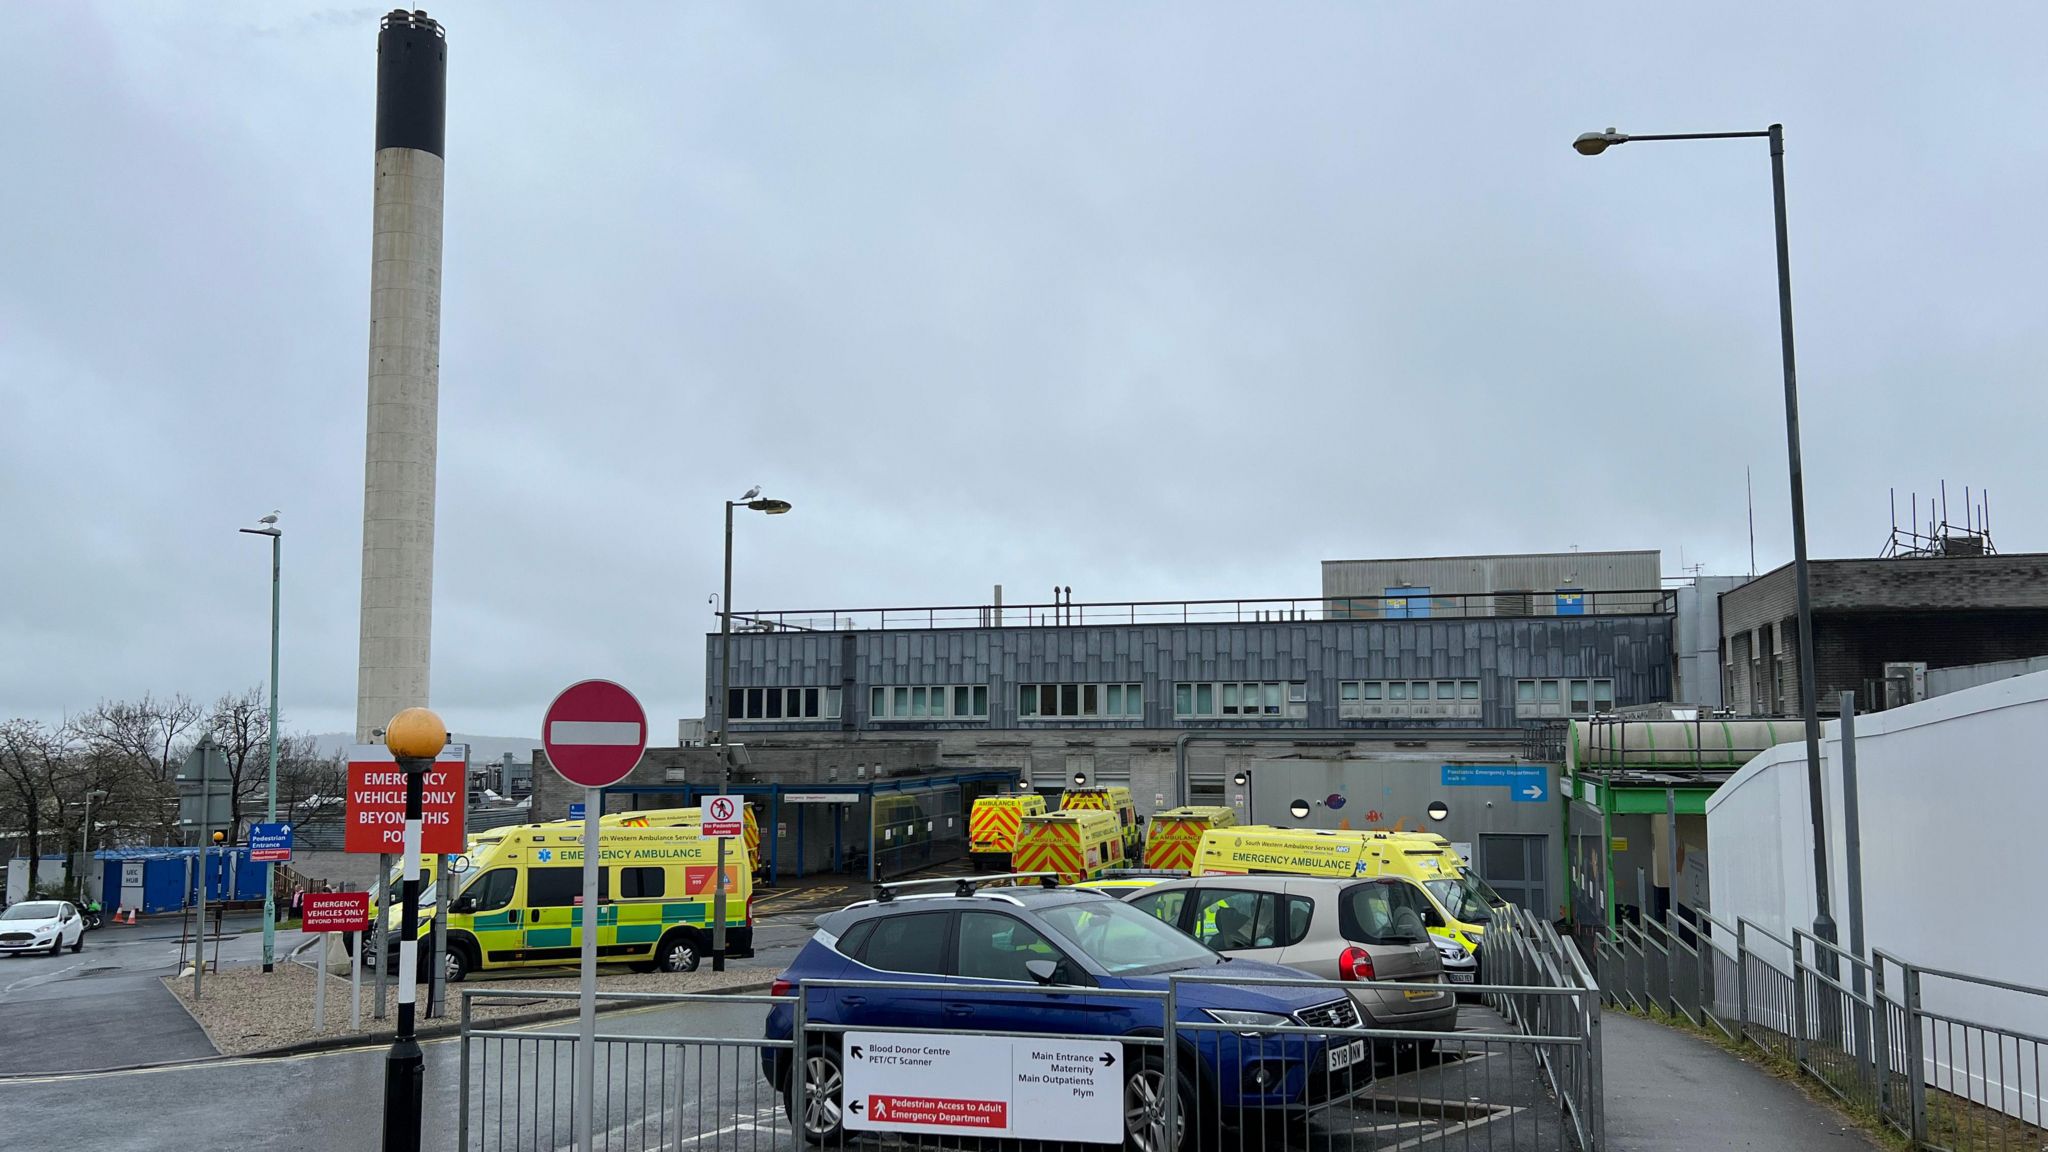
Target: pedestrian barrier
1945, 1079
1521, 1072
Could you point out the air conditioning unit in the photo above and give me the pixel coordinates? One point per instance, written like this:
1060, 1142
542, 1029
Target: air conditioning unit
1905, 682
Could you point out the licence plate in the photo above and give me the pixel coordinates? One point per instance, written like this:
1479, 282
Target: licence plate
1414, 994
1460, 977
1345, 1055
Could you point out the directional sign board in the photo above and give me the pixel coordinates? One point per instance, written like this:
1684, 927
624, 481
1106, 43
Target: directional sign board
724, 818
594, 733
576, 810
270, 842
335, 911
1526, 783
374, 820
1031, 1088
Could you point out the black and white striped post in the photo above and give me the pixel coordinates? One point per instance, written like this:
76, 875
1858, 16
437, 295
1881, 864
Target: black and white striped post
415, 736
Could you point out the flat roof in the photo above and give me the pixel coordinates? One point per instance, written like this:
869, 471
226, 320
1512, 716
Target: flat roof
1496, 556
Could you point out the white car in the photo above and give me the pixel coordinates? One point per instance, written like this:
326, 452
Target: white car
41, 926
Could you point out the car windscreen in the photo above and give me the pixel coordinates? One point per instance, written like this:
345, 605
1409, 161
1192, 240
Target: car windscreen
36, 910
1123, 939
1462, 900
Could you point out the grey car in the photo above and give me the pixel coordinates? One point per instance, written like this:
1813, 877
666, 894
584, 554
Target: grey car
1362, 930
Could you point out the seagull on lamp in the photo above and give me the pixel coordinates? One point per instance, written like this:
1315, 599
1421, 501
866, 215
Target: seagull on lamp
753, 493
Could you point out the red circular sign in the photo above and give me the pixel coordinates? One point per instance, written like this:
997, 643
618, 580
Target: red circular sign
594, 733
721, 809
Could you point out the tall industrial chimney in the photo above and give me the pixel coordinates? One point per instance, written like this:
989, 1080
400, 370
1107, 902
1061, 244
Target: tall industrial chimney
405, 371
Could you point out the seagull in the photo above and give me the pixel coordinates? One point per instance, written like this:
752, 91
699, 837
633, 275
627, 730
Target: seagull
752, 493
270, 519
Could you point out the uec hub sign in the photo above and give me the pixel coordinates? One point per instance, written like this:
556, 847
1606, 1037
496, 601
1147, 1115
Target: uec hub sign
375, 818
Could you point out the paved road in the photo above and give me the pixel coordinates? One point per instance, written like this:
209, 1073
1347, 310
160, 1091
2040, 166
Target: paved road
332, 1101
104, 1006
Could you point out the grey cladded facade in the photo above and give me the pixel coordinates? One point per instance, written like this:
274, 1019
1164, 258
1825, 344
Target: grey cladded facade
1312, 658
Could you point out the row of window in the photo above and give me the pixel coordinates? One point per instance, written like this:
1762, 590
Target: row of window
1286, 698
782, 704
943, 702
1356, 691
1085, 701
563, 887
1277, 699
1544, 698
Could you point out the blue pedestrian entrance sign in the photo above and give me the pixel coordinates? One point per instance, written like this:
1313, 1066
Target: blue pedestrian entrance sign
576, 811
270, 842
1526, 783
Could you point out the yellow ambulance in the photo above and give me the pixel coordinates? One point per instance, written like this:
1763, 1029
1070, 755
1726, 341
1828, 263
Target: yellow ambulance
993, 826
686, 818
1173, 835
1261, 849
1114, 798
520, 904
1079, 845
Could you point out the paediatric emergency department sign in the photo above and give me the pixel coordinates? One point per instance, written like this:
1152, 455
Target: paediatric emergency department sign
1032, 1088
375, 817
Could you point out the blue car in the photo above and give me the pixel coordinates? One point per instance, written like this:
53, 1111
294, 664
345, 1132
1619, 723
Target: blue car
1099, 947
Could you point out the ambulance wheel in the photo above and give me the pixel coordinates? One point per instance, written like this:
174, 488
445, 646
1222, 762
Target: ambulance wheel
680, 951
457, 963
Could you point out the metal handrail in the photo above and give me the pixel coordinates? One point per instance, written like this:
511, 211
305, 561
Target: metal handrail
1243, 609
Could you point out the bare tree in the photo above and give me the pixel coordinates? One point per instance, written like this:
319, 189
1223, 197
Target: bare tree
240, 727
136, 748
38, 766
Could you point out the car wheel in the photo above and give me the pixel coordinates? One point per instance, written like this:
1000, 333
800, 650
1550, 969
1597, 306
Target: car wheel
78, 944
1145, 1105
680, 951
57, 945
823, 1122
456, 964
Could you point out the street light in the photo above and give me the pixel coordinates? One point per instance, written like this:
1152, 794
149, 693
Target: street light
269, 528
758, 503
1594, 143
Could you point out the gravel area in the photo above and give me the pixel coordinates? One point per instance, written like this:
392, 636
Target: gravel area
248, 1010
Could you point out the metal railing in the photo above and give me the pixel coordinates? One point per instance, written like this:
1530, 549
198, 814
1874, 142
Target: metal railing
1241, 610
700, 1071
1948, 1080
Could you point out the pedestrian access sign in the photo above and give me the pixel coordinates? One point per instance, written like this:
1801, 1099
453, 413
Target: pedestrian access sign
1028, 1088
270, 842
1526, 783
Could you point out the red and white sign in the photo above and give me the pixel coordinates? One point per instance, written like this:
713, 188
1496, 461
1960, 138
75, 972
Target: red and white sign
335, 911
375, 817
594, 733
1032, 1088
725, 817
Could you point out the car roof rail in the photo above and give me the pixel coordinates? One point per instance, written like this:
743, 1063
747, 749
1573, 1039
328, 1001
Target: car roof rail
966, 885
1141, 873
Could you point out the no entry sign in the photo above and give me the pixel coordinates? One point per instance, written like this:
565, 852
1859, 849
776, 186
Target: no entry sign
375, 818
594, 733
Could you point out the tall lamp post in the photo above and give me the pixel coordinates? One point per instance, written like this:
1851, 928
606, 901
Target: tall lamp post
84, 873
269, 528
415, 736
1593, 144
759, 503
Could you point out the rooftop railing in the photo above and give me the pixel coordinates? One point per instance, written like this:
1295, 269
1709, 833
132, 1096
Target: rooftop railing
1419, 608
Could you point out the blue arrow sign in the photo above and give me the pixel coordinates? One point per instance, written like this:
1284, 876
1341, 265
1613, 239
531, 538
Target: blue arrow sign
270, 842
1526, 783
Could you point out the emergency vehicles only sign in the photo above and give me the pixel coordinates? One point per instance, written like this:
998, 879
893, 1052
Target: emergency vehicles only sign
1031, 1088
374, 817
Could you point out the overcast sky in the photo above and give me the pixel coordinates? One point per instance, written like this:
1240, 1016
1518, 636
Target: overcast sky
1149, 300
